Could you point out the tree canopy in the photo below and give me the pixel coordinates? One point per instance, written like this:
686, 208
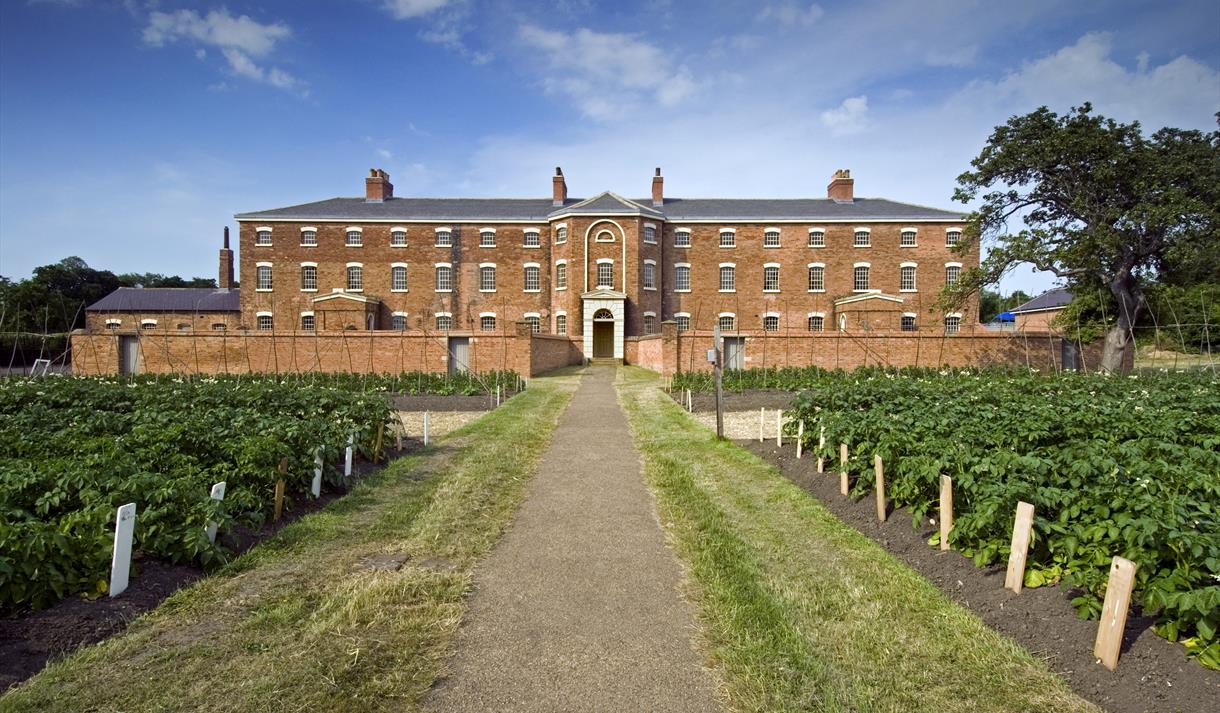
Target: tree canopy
1103, 207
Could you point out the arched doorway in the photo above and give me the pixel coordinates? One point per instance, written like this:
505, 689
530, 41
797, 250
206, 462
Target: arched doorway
603, 334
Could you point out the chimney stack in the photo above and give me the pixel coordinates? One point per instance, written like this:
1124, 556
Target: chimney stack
377, 186
226, 265
841, 188
559, 188
658, 192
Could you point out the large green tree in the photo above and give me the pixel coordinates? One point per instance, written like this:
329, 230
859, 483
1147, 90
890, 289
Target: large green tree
1103, 206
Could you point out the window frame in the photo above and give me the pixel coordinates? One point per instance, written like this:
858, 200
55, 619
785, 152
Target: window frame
955, 241
349, 232
732, 273
359, 274
957, 275
649, 276
902, 276
684, 232
534, 320
679, 268
484, 268
448, 242
258, 321
561, 233
309, 230
821, 268
855, 277
771, 318
394, 317
902, 322
398, 230
650, 322
821, 233
868, 237
732, 233
650, 229
821, 321
604, 231
259, 267
259, 232
953, 323
732, 324
913, 232
768, 269
394, 268
313, 268
313, 323
682, 319
483, 233
448, 319
609, 270
444, 268
767, 233
483, 321
561, 274
525, 277
525, 239
561, 323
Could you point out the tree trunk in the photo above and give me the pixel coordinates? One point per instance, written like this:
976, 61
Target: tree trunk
1114, 352
1120, 341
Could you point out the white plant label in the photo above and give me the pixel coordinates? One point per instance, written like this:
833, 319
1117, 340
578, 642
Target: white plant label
218, 493
120, 562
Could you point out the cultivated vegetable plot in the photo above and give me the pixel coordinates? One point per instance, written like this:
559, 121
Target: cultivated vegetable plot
1114, 466
73, 449
410, 382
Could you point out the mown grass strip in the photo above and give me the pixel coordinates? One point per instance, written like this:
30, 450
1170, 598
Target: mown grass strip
302, 622
801, 611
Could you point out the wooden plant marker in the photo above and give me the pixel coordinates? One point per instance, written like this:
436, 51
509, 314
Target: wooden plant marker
946, 511
762, 415
690, 404
120, 558
821, 445
347, 457
843, 468
779, 428
1114, 612
425, 428
279, 489
1021, 527
879, 467
316, 486
218, 493
377, 445
800, 437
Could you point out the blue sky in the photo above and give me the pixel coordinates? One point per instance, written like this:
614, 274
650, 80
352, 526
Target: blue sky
131, 131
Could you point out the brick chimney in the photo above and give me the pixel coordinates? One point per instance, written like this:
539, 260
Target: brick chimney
658, 192
841, 188
559, 188
226, 265
377, 186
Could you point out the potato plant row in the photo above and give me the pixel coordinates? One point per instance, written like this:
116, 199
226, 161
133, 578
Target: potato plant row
408, 382
74, 449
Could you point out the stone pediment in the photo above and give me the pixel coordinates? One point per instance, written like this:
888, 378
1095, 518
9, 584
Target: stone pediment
352, 296
867, 297
604, 294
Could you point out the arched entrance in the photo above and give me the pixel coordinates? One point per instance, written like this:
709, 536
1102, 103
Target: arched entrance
603, 334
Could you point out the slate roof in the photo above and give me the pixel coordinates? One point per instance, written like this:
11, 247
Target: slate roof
1052, 299
168, 299
540, 209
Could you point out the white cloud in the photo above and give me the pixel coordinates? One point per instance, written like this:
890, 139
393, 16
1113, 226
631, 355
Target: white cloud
239, 39
790, 14
850, 117
608, 74
406, 9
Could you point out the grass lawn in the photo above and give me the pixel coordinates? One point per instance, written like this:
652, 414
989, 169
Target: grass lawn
303, 622
802, 612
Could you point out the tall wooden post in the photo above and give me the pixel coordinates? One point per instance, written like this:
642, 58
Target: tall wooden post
1114, 612
946, 510
1022, 524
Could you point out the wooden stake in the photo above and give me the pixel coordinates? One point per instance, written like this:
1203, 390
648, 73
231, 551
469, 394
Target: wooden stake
821, 445
1114, 612
279, 489
1021, 527
779, 428
843, 468
377, 445
946, 510
800, 437
879, 467
762, 415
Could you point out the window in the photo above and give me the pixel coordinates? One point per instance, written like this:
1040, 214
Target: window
309, 278
650, 234
952, 238
532, 239
908, 323
262, 236
605, 275
355, 238
561, 234
953, 272
907, 240
561, 324
817, 278
726, 322
398, 237
444, 278
683, 321
728, 239
817, 322
771, 323
113, 323
307, 322
817, 238
650, 321
650, 279
444, 238
728, 278
398, 278
682, 278
860, 281
771, 238
355, 278
216, 326
264, 321
771, 278
309, 237
906, 279
862, 238
561, 275
398, 321
605, 236
444, 322
487, 278
263, 277
533, 278
487, 322
682, 239
953, 323
148, 324
534, 321
487, 238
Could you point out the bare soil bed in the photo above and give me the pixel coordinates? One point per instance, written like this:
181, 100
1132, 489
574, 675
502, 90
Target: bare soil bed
456, 402
753, 400
31, 639
1153, 674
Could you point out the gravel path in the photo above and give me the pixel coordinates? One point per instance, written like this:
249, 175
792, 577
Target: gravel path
440, 423
578, 607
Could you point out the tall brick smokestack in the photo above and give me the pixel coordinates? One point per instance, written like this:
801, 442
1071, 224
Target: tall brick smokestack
226, 265
377, 186
559, 188
658, 189
842, 187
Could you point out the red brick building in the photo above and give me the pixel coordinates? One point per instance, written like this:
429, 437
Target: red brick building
602, 269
